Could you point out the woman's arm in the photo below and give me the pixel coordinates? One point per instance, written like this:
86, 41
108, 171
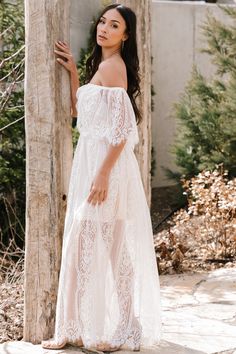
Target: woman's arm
99, 187
112, 156
74, 85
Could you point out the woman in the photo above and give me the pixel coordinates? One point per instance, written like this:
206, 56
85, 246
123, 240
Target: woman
108, 296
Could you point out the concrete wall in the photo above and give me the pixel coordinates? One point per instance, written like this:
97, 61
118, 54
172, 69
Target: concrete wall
81, 16
176, 40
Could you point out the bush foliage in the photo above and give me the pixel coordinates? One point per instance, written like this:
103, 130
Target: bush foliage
206, 110
12, 132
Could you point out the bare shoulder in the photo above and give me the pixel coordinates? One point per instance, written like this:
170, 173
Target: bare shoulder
112, 72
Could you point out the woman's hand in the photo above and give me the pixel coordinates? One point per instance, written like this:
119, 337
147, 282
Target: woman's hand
67, 59
99, 188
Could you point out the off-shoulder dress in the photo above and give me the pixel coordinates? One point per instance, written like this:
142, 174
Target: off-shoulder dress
109, 283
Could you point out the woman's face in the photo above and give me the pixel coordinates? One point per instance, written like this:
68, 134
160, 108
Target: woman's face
111, 29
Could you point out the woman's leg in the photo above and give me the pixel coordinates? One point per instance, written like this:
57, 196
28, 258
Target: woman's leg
123, 273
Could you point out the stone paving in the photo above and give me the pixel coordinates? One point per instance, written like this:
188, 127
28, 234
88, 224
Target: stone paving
199, 316
200, 311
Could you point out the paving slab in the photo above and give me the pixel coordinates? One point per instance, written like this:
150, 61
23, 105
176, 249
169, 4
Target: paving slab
199, 310
198, 314
20, 347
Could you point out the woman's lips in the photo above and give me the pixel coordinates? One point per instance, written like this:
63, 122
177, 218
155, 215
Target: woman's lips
101, 37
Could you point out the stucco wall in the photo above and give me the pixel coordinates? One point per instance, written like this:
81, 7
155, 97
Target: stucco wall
81, 15
176, 40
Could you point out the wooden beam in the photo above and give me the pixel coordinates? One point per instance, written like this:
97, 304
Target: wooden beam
143, 150
48, 161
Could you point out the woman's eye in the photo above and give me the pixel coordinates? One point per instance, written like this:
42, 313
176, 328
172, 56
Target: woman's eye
102, 21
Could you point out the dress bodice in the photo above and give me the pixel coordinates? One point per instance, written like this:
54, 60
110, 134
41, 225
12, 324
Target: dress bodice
106, 113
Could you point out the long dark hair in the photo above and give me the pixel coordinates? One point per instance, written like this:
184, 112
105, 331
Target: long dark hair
128, 53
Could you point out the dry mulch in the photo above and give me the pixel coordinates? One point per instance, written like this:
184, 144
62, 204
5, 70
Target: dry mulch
11, 311
201, 235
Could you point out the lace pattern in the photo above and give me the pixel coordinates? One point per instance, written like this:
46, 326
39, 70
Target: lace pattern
108, 287
106, 114
123, 122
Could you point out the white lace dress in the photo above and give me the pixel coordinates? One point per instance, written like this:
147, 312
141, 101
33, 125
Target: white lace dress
109, 284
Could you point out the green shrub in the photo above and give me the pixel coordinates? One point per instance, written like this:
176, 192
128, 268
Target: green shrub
12, 131
206, 110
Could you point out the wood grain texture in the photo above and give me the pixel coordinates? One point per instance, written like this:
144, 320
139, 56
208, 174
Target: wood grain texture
143, 149
48, 161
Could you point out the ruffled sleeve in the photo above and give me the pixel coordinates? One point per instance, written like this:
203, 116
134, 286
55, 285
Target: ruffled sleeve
122, 122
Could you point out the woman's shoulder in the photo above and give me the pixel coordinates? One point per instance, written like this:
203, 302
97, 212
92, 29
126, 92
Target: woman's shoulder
113, 72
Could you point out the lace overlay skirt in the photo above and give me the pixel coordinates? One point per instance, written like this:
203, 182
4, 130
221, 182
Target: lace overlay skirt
109, 285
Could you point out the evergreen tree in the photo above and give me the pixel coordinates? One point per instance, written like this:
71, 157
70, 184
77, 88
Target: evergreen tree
207, 108
12, 131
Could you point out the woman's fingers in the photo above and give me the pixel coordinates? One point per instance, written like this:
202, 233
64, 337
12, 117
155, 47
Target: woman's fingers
62, 62
92, 198
92, 195
104, 196
96, 196
62, 48
100, 197
62, 45
63, 54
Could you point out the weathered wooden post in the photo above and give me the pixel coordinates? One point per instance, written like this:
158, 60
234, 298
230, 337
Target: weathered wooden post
48, 161
143, 150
